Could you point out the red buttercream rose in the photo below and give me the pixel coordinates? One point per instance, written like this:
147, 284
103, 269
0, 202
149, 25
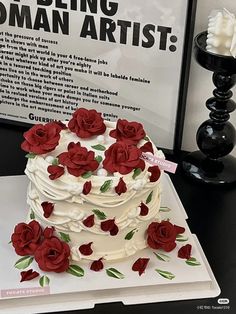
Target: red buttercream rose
185, 251
121, 187
123, 158
53, 255
55, 172
26, 238
163, 235
155, 173
86, 123
41, 139
78, 160
131, 132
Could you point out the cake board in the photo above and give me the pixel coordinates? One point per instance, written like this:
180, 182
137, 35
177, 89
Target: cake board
67, 292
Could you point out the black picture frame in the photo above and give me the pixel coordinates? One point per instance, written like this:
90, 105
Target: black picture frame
183, 84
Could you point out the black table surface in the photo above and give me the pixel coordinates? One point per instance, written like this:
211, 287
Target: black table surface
212, 217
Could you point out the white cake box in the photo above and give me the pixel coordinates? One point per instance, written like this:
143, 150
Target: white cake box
66, 292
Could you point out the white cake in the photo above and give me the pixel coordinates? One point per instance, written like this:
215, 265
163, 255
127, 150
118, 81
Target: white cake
80, 217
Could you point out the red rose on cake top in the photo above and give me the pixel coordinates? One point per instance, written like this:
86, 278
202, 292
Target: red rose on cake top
130, 132
86, 123
123, 158
78, 160
41, 139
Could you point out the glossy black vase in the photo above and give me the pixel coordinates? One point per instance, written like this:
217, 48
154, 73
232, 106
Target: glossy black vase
216, 136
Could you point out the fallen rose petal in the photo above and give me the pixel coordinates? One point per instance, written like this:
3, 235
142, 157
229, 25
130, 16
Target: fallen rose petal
140, 265
86, 249
28, 275
97, 265
185, 251
89, 221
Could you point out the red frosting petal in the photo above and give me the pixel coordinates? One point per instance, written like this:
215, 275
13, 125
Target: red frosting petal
155, 173
107, 225
87, 187
28, 275
143, 209
185, 251
147, 148
97, 265
86, 249
48, 232
179, 229
55, 172
140, 265
47, 209
121, 187
89, 221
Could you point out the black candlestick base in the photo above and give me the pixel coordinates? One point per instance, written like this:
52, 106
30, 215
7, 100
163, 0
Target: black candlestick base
216, 136
219, 171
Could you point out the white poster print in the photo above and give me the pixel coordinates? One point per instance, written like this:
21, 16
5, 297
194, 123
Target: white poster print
122, 58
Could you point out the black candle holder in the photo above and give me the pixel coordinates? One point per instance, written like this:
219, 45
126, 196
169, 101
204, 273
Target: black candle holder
216, 136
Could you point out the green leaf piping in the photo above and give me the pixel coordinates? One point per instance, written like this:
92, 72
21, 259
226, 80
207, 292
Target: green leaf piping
99, 159
164, 209
192, 262
137, 172
65, 237
99, 147
149, 198
114, 273
181, 238
162, 257
165, 274
99, 214
32, 215
55, 162
75, 270
30, 155
130, 234
106, 186
24, 262
87, 175
44, 281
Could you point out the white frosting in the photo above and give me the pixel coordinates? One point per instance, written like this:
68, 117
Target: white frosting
71, 206
221, 38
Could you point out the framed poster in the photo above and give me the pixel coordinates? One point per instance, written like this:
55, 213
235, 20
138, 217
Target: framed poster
122, 58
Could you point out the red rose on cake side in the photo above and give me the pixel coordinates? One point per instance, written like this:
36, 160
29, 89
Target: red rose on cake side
163, 235
123, 158
78, 160
26, 238
86, 123
53, 255
41, 139
130, 132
